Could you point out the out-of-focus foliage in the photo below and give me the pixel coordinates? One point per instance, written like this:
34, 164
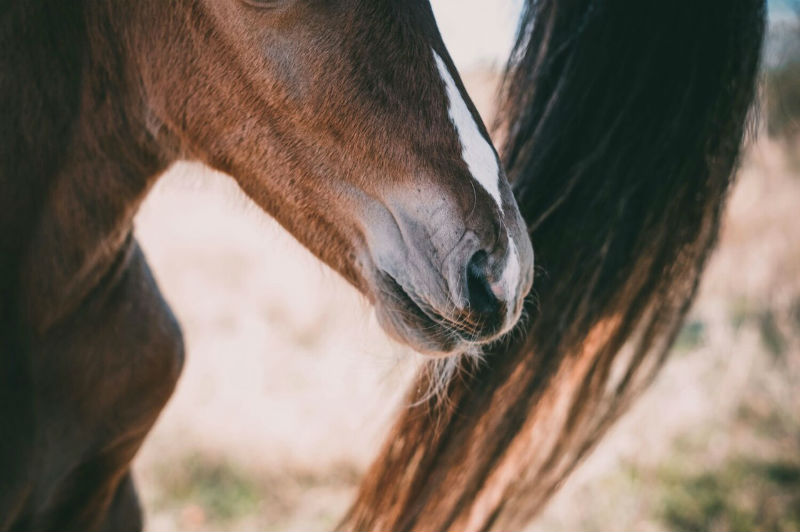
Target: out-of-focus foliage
743, 492
782, 76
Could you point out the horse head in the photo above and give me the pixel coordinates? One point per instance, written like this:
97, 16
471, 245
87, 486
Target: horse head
348, 123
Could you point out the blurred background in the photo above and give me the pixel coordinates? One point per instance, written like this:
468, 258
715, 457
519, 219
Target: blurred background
289, 382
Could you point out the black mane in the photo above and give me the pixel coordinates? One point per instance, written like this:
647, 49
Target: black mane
624, 121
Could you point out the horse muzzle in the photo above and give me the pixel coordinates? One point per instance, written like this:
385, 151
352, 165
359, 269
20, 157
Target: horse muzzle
446, 288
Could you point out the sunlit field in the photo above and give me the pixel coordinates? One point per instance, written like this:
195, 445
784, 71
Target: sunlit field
289, 382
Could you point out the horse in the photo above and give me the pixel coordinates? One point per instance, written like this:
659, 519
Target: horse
345, 121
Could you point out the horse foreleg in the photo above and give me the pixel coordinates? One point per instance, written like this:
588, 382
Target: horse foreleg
103, 376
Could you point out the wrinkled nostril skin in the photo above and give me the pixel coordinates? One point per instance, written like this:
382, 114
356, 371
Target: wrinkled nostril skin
477, 280
453, 282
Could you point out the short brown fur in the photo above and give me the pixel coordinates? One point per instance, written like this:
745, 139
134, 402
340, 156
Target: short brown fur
332, 116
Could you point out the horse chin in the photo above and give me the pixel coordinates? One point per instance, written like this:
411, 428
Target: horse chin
404, 319
432, 340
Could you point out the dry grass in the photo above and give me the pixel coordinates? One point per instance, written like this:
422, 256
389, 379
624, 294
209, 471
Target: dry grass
290, 383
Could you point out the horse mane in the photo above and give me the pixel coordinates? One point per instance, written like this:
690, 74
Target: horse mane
622, 124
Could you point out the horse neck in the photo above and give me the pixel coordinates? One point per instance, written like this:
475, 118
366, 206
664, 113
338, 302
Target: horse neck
85, 208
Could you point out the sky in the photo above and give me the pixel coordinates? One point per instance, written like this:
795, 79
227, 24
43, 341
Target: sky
477, 31
779, 5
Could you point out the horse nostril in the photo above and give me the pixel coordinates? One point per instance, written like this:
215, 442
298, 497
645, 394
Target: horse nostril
481, 299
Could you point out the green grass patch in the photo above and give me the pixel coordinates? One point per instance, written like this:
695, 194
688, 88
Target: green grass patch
740, 495
691, 336
224, 491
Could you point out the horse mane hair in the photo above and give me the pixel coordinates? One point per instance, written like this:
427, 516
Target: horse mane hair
621, 141
622, 123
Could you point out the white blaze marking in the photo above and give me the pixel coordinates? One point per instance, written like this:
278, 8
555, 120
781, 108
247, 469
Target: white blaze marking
482, 163
506, 288
475, 149
510, 277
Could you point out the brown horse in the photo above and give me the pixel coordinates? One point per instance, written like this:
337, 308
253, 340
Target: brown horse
346, 121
